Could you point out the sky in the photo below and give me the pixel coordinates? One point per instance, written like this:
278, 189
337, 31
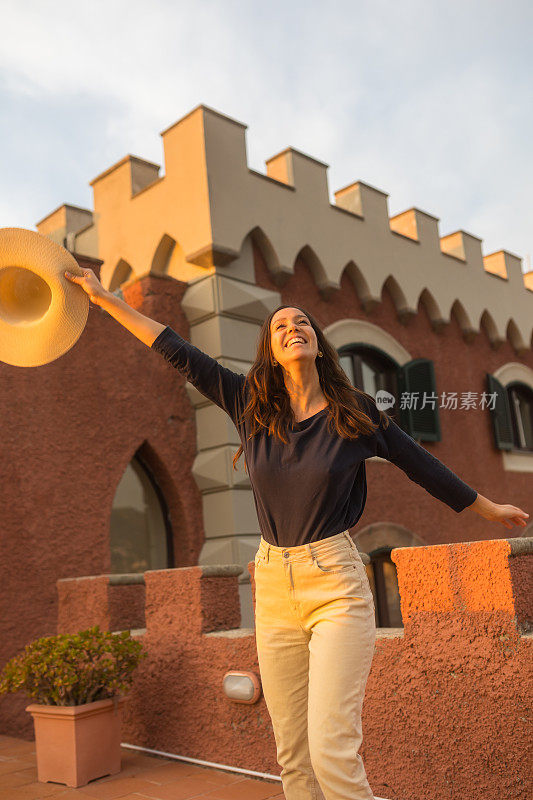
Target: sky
430, 102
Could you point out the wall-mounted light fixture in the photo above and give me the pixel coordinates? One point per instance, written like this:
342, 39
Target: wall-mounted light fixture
241, 687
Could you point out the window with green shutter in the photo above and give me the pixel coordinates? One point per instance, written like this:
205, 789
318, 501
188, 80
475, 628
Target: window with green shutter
502, 423
371, 369
417, 385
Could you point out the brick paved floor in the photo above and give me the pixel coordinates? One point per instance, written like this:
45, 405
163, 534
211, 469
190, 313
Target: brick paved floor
142, 778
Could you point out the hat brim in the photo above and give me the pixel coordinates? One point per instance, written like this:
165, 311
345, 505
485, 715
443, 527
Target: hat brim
42, 313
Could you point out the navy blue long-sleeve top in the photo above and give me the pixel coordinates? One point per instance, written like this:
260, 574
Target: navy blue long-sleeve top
314, 486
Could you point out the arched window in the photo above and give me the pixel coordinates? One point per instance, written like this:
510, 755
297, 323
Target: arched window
383, 580
140, 533
370, 369
521, 407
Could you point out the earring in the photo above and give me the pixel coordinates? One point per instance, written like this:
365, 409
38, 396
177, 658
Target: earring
320, 353
274, 363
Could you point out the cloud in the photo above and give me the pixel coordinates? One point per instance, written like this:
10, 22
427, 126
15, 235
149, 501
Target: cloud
430, 103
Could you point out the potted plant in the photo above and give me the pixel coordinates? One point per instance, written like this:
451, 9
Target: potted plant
77, 682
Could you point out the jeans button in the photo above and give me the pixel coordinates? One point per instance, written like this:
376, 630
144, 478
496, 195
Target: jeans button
286, 555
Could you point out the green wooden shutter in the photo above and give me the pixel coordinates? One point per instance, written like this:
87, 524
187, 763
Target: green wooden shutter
501, 415
417, 377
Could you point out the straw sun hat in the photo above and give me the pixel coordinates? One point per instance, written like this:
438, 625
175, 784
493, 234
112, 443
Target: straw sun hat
42, 313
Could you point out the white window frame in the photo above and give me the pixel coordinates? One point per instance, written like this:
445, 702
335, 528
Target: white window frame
346, 331
516, 460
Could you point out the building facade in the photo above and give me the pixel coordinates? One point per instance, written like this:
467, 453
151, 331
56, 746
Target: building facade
124, 467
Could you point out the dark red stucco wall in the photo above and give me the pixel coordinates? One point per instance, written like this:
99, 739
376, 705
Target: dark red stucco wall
69, 429
447, 701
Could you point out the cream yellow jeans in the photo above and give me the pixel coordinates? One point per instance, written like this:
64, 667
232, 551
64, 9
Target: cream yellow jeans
315, 632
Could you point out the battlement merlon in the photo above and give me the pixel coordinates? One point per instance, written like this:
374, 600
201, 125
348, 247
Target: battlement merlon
63, 221
132, 173
176, 601
301, 171
364, 201
507, 265
483, 583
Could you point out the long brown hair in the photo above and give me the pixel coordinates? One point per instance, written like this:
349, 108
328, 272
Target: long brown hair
269, 404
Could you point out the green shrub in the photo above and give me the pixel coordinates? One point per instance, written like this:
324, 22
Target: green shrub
72, 669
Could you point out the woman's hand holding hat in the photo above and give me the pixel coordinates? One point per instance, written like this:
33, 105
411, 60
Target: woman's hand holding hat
42, 315
89, 283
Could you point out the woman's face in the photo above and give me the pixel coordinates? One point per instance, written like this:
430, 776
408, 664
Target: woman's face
289, 324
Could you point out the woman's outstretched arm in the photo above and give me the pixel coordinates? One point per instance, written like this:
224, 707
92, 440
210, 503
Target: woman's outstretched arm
422, 467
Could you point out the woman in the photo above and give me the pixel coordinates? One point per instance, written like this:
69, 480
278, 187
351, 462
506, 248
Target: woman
305, 432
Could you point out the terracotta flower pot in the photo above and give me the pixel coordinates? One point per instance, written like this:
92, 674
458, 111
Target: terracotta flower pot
77, 744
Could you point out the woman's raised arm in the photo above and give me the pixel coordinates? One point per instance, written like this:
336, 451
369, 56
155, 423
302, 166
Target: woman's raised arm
144, 328
218, 383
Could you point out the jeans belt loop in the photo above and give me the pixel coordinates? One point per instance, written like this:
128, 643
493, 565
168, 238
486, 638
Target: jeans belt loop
267, 552
350, 540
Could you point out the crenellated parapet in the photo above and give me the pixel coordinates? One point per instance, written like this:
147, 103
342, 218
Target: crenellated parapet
467, 614
196, 218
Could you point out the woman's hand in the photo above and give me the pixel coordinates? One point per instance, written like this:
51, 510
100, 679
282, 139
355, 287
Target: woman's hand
506, 514
89, 283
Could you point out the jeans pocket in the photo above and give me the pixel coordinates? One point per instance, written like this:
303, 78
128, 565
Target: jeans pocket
336, 561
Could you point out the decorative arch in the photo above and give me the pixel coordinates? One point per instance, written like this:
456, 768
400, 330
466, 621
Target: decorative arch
487, 324
367, 300
162, 255
265, 247
436, 318
258, 241
349, 331
169, 259
515, 337
379, 535
122, 273
403, 309
459, 313
323, 282
514, 371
